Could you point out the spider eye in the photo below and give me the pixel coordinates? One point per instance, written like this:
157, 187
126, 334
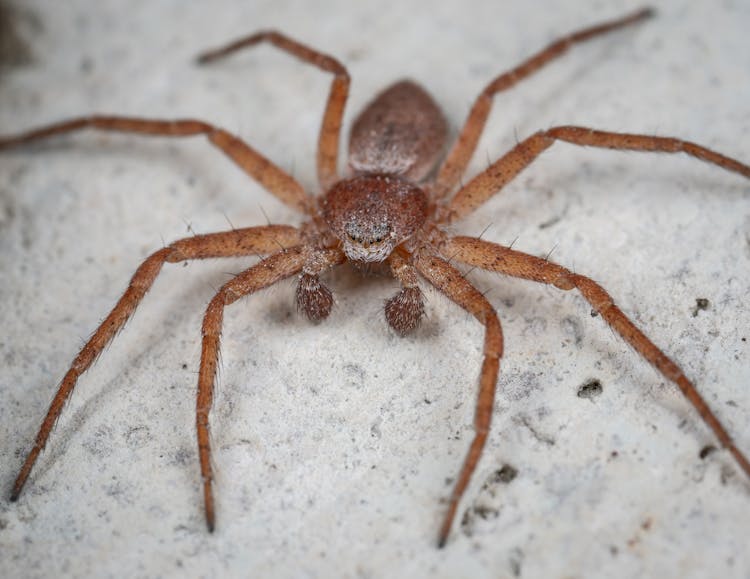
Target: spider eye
367, 235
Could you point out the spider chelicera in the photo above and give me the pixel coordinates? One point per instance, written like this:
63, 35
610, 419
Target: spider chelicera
394, 207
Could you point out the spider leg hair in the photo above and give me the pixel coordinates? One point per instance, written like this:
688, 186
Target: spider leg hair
269, 176
489, 182
458, 158
452, 283
248, 241
330, 129
271, 270
497, 258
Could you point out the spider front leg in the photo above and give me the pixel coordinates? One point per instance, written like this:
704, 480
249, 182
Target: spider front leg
493, 257
262, 275
250, 241
502, 171
330, 129
268, 175
449, 280
460, 154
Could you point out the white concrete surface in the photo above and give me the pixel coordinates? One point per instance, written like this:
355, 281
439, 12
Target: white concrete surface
335, 444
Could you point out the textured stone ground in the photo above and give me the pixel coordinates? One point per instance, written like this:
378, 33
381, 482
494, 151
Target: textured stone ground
335, 444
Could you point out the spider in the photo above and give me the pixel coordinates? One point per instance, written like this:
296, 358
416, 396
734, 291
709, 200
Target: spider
394, 208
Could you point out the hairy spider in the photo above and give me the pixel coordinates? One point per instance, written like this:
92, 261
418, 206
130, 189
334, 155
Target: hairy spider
393, 207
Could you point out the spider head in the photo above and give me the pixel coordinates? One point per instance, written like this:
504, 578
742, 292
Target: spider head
372, 214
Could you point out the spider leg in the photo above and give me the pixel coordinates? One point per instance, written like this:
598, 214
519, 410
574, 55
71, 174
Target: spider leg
493, 257
249, 241
330, 130
266, 273
458, 158
449, 280
271, 177
502, 171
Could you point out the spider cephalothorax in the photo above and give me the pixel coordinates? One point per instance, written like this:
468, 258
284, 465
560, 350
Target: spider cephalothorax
372, 214
393, 209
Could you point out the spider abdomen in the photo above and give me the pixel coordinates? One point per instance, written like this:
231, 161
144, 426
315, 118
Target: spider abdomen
402, 131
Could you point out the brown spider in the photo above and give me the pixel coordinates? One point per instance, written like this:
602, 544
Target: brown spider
394, 209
